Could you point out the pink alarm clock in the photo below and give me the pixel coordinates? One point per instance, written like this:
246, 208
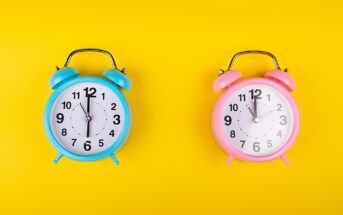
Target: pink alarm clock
255, 119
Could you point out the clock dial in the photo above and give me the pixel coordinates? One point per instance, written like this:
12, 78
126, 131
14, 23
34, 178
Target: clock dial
87, 118
257, 119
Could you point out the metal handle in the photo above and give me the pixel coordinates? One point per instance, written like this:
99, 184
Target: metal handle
254, 52
90, 50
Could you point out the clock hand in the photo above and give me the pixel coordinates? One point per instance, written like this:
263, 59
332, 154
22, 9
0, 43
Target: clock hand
270, 112
88, 111
88, 123
84, 110
88, 104
255, 110
88, 118
253, 115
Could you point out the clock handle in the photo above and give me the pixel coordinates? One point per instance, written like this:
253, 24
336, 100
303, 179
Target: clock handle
58, 157
277, 65
114, 159
284, 158
93, 50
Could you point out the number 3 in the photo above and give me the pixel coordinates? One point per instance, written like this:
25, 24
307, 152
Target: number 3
116, 119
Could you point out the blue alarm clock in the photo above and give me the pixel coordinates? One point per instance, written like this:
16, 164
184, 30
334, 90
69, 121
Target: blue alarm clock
87, 118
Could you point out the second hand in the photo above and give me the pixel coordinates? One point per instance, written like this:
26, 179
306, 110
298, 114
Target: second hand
88, 118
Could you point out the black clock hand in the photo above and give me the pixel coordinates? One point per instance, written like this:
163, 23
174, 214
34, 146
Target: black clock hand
253, 115
84, 111
88, 118
255, 110
88, 111
88, 123
88, 104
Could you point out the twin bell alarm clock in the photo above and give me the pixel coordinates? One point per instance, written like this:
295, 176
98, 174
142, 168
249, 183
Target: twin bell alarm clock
87, 118
255, 119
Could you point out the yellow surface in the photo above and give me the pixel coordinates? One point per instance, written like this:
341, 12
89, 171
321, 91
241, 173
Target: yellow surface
172, 51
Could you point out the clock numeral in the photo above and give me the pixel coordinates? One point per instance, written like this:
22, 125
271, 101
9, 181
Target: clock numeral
90, 92
255, 93
232, 134
268, 97
116, 119
283, 120
103, 96
243, 142
74, 141
114, 105
64, 132
256, 147
87, 146
279, 106
227, 120
101, 142
279, 133
60, 117
111, 133
241, 97
233, 107
66, 105
269, 143
76, 95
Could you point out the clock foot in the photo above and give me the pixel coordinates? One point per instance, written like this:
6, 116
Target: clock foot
283, 157
58, 157
115, 160
229, 160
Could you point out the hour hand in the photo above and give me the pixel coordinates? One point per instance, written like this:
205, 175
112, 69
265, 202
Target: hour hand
88, 119
253, 115
86, 114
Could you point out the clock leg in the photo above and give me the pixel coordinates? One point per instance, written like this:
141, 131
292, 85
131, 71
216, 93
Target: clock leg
229, 160
58, 157
283, 157
115, 160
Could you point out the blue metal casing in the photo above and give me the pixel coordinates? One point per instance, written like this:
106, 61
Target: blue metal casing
67, 77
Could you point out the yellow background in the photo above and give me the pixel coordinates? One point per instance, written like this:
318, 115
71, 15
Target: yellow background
172, 50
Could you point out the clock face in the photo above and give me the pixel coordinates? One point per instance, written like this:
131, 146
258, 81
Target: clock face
257, 119
87, 118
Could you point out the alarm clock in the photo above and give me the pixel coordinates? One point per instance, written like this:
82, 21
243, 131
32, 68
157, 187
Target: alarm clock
255, 119
87, 118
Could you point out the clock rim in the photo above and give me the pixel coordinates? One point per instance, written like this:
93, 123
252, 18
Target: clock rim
115, 146
218, 128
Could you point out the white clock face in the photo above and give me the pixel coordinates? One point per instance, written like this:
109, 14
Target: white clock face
257, 119
87, 118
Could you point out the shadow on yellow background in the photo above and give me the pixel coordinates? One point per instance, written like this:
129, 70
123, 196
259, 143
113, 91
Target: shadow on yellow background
172, 50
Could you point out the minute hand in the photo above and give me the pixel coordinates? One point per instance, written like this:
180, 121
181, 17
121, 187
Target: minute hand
255, 107
88, 113
255, 110
88, 119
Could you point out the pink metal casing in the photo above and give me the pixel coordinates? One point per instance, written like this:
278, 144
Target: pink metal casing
226, 79
282, 78
277, 80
